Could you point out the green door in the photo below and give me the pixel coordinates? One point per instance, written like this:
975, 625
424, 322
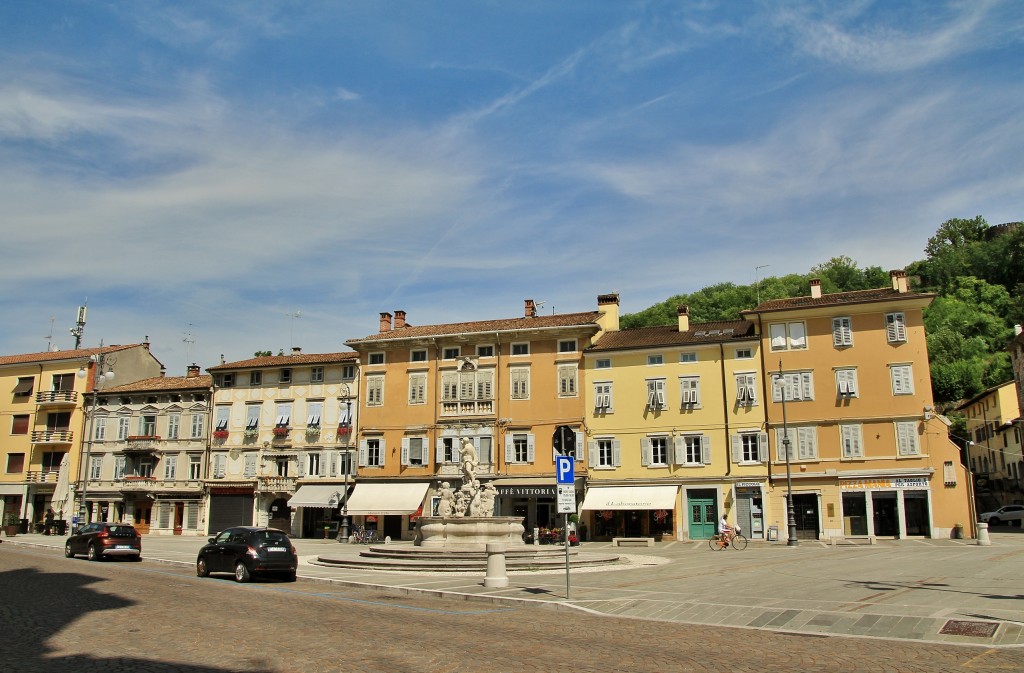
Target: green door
703, 522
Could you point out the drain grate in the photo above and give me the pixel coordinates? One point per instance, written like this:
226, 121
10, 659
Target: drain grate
959, 627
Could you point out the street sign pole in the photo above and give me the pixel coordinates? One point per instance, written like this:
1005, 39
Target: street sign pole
565, 479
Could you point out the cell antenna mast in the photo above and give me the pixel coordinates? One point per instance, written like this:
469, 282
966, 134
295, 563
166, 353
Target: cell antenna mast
79, 327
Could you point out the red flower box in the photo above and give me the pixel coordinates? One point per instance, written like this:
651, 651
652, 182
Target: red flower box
220, 434
280, 432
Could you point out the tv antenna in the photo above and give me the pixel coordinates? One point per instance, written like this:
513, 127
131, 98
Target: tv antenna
189, 341
49, 339
291, 334
757, 280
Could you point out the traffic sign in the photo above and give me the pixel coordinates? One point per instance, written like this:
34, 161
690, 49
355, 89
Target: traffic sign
567, 499
564, 470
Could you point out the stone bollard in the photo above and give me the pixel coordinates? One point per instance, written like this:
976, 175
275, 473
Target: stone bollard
983, 538
496, 575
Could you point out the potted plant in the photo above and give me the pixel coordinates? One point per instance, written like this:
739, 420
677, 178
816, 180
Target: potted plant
220, 434
11, 524
280, 432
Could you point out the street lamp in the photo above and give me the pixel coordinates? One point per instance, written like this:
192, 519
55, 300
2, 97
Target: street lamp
780, 381
345, 429
104, 372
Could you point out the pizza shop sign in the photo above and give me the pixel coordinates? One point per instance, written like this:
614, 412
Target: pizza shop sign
906, 482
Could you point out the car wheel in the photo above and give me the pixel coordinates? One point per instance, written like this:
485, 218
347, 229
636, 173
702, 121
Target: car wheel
201, 568
290, 577
93, 554
67, 550
994, 521
242, 573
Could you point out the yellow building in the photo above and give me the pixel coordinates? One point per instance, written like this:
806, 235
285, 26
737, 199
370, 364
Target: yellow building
847, 378
506, 385
42, 417
994, 446
675, 430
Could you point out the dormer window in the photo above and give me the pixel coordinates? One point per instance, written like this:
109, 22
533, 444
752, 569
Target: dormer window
286, 376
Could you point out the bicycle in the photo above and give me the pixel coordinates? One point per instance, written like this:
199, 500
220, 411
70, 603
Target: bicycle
362, 536
736, 540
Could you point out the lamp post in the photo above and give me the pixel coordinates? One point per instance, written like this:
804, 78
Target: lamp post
103, 373
346, 429
791, 541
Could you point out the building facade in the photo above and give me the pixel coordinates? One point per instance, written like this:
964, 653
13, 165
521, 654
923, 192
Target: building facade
282, 450
994, 447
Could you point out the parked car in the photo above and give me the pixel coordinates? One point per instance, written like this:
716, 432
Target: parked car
247, 552
1004, 514
102, 540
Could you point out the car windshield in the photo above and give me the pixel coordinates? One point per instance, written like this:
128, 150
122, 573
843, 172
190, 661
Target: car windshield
122, 531
271, 538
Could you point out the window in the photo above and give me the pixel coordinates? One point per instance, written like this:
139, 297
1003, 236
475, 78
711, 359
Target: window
285, 376
842, 332
224, 380
145, 467
255, 378
194, 468
316, 411
654, 451
123, 423
520, 383
374, 391
521, 349
519, 447
252, 417
603, 397
282, 414
485, 351
687, 357
447, 450
906, 438
348, 372
744, 353
797, 386
220, 461
567, 346
902, 379
15, 463
605, 453
282, 466
655, 360
689, 392
198, 421
170, 467
316, 375
788, 336
417, 389
846, 382
852, 440
223, 414
418, 356
567, 381
749, 447
147, 426
249, 469
451, 353
696, 450
485, 448
604, 363
19, 424
313, 464
95, 467
376, 358
24, 386
414, 451
895, 327
803, 443
656, 394
173, 426
119, 467
371, 453
746, 393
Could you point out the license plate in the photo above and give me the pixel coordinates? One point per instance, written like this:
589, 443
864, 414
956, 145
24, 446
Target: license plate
277, 548
123, 546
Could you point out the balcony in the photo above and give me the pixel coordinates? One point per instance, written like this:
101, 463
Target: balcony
133, 483
44, 477
269, 484
52, 436
141, 443
467, 408
57, 398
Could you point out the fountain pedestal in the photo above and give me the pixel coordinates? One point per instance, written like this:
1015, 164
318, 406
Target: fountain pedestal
469, 532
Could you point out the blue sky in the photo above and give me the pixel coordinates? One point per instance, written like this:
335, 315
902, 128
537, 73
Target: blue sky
205, 171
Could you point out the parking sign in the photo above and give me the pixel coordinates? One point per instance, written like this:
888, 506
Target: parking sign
564, 470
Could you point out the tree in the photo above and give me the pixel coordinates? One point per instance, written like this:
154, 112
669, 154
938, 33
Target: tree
262, 354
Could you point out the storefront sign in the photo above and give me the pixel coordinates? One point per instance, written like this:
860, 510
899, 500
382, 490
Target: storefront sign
902, 482
749, 484
527, 491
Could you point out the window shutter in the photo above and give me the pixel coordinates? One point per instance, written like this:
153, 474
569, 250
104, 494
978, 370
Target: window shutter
762, 447
333, 464
405, 450
383, 452
439, 450
807, 385
737, 448
617, 452
645, 451
510, 455
592, 453
679, 450
705, 449
363, 450
301, 465
529, 447
579, 446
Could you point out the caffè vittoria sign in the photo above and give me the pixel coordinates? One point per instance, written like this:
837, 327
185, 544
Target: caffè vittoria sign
902, 482
527, 491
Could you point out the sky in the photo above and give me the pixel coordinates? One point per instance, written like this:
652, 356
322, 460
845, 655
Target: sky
239, 176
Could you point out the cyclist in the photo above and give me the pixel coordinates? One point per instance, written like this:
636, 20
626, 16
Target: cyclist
725, 531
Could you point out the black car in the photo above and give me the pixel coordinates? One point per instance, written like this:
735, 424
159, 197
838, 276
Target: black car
102, 540
249, 551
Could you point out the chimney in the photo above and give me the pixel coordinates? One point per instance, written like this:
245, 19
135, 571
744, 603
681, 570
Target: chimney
145, 342
683, 312
608, 305
399, 319
222, 360
815, 288
531, 309
899, 280
296, 350
192, 370
385, 322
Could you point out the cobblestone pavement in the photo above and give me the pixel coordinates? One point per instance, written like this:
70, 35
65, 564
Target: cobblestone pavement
939, 591
71, 615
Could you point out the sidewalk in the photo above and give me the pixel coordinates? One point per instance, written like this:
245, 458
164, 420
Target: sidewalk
939, 591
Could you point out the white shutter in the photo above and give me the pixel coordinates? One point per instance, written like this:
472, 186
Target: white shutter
806, 446
510, 452
333, 469
579, 446
780, 444
405, 450
807, 386
705, 449
762, 447
906, 436
678, 450
737, 449
617, 452
439, 450
645, 451
529, 447
383, 452
301, 465
363, 450
592, 453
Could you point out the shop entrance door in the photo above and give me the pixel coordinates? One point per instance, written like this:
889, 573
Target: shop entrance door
143, 516
703, 520
915, 512
884, 505
805, 510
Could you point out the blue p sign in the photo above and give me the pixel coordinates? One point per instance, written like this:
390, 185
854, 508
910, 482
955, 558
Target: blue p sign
564, 470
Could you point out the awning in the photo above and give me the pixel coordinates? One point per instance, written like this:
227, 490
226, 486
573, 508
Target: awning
24, 386
630, 497
317, 495
12, 489
400, 498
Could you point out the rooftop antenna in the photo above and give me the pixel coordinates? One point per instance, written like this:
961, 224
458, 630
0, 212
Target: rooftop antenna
757, 280
291, 333
189, 342
49, 339
79, 327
